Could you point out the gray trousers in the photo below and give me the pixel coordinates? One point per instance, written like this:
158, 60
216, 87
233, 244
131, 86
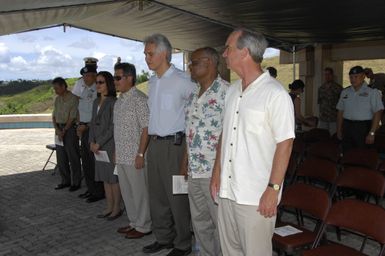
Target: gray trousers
68, 159
95, 188
133, 186
204, 216
170, 213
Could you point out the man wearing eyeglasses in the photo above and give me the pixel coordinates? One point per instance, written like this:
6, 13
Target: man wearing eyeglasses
131, 140
168, 92
204, 115
85, 89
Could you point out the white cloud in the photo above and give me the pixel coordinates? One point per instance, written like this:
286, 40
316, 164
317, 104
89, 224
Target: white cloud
4, 53
99, 55
48, 38
3, 48
50, 56
27, 37
17, 64
84, 43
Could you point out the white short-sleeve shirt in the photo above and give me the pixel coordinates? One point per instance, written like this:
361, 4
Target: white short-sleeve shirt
255, 120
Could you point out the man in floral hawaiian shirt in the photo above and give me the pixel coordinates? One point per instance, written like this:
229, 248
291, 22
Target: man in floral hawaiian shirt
204, 115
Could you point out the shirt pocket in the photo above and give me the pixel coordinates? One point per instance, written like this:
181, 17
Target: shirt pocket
254, 120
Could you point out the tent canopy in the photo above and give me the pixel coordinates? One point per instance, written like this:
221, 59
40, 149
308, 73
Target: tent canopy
198, 23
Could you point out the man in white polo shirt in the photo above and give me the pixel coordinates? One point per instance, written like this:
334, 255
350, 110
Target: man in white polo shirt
256, 144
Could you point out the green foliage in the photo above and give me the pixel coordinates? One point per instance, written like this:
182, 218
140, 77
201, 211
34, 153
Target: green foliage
142, 77
36, 100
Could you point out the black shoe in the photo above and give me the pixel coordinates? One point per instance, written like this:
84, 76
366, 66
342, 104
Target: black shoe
92, 199
102, 216
85, 195
156, 247
74, 188
115, 216
61, 186
179, 252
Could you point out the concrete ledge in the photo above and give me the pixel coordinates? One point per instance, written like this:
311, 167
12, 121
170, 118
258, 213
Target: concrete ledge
26, 121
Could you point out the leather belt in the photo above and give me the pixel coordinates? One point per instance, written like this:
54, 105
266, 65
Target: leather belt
168, 137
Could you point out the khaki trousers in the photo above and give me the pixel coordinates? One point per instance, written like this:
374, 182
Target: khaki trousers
133, 186
243, 231
204, 216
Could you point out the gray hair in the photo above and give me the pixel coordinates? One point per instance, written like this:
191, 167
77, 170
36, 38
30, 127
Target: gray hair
211, 53
256, 43
162, 44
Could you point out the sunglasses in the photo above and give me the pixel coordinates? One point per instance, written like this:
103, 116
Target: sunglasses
118, 78
100, 82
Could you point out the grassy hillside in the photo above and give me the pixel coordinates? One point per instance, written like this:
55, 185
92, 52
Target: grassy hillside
40, 99
37, 100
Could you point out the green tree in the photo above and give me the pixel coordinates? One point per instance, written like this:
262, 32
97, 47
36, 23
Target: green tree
142, 77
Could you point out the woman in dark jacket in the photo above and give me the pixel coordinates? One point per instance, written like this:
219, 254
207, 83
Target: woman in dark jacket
296, 89
101, 139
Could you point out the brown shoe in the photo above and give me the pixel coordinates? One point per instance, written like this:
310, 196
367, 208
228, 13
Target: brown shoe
135, 234
124, 230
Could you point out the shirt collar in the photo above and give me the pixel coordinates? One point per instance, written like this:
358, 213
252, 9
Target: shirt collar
127, 93
255, 84
93, 86
215, 84
169, 71
363, 87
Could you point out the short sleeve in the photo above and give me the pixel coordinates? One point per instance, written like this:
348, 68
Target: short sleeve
376, 101
281, 117
74, 108
77, 88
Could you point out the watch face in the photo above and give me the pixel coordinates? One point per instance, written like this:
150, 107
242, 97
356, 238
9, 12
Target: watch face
276, 187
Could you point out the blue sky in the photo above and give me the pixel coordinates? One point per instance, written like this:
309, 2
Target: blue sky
44, 54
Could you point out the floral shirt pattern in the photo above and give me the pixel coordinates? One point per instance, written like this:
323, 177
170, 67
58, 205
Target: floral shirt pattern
204, 116
327, 100
131, 115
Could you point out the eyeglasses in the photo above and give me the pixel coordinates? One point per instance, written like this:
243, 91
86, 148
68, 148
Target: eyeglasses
197, 61
100, 82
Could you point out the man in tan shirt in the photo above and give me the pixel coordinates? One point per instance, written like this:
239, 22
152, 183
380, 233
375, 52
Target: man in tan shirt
63, 119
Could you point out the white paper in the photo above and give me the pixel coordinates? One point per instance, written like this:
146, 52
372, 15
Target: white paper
179, 184
115, 170
287, 230
58, 142
102, 156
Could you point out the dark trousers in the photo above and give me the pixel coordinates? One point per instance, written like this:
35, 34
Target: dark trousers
354, 134
68, 158
170, 213
88, 164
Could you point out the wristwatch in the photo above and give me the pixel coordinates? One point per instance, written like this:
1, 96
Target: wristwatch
140, 154
276, 187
